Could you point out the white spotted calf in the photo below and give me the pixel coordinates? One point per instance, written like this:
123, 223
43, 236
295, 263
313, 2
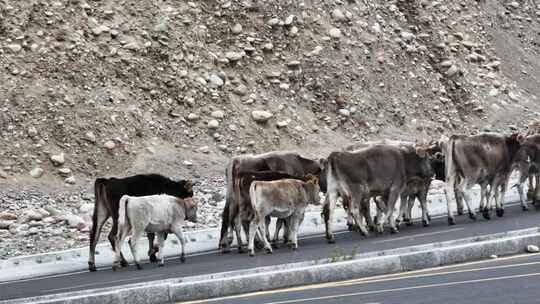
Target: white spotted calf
160, 214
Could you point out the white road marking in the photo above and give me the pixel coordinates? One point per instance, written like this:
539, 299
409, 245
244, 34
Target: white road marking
418, 235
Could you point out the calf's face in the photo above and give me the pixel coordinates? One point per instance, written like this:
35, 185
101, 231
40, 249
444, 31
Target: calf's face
191, 209
424, 164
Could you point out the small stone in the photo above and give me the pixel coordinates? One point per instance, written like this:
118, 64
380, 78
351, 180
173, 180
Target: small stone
261, 116
218, 114
109, 145
3, 174
493, 92
236, 29
293, 64
90, 136
100, 29
233, 56
453, 70
192, 117
74, 221
335, 33
32, 215
204, 149
493, 256
273, 22
5, 224
70, 180
213, 124
64, 172
187, 163
58, 159
216, 81
282, 124
344, 112
289, 20
514, 4
32, 131
532, 249
15, 48
36, 172
241, 90
338, 15
7, 216
407, 36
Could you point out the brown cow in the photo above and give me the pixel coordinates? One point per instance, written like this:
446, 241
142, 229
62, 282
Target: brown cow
286, 162
285, 199
529, 164
534, 170
244, 213
379, 170
484, 159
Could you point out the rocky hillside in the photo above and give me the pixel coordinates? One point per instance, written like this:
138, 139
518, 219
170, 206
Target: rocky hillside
99, 87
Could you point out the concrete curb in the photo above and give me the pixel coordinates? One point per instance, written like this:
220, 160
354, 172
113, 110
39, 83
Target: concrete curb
303, 273
198, 242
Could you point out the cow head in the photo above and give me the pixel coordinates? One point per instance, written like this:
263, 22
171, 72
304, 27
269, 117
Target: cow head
187, 186
421, 163
190, 209
313, 189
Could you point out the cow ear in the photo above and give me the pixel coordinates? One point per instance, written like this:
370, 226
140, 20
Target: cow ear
189, 185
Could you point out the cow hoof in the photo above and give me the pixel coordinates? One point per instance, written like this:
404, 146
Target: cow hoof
269, 251
182, 259
275, 245
408, 222
124, 263
485, 214
92, 267
252, 254
451, 221
161, 264
500, 212
115, 267
153, 258
241, 250
472, 216
139, 267
524, 208
425, 223
331, 241
350, 227
394, 230
460, 212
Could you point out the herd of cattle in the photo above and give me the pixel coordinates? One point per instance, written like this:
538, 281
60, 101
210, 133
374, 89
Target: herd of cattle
282, 184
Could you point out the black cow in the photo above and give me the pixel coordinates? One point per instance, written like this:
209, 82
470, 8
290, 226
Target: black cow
108, 192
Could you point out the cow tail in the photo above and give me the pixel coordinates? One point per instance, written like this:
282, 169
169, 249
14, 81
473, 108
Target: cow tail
99, 202
252, 195
449, 159
123, 219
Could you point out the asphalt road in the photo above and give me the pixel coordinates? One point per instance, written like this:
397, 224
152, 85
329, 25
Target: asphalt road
311, 248
505, 280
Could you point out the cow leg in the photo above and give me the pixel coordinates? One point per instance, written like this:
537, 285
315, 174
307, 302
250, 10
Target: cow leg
268, 220
238, 232
180, 235
330, 205
536, 199
161, 252
403, 205
499, 199
294, 223
263, 234
119, 241
520, 184
530, 191
100, 217
133, 246
423, 204
358, 210
381, 214
251, 239
112, 240
391, 203
459, 200
366, 212
152, 248
225, 233
410, 204
463, 187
